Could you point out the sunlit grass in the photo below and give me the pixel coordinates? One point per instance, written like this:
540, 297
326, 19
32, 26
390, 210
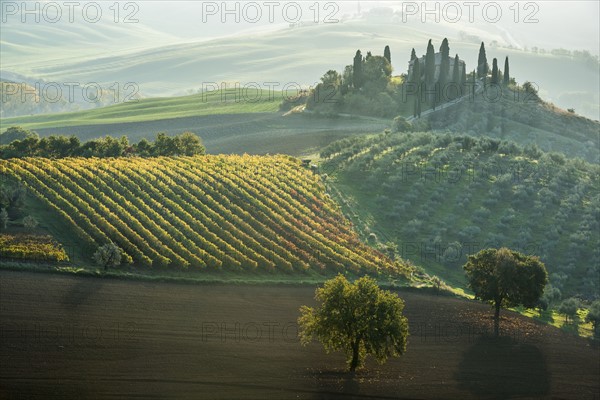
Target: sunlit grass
211, 103
552, 317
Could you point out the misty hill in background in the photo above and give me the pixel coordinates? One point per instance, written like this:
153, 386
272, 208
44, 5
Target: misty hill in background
290, 55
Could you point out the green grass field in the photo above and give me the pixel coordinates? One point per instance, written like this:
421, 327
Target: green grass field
241, 122
152, 109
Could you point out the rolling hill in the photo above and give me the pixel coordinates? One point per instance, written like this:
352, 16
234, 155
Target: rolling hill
248, 123
174, 66
34, 97
238, 213
160, 108
434, 199
523, 118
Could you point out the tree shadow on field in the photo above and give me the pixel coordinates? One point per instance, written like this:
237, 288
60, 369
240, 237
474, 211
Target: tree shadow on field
337, 385
79, 293
502, 368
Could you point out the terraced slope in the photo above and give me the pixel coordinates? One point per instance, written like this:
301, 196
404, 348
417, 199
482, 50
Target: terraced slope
230, 212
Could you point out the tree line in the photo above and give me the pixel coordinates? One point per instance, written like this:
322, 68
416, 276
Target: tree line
427, 88
364, 87
368, 87
18, 142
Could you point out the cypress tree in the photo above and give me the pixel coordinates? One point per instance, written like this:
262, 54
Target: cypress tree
482, 64
415, 106
430, 72
387, 54
444, 70
413, 54
456, 70
430, 64
445, 62
494, 72
506, 74
463, 79
416, 74
456, 77
416, 79
357, 78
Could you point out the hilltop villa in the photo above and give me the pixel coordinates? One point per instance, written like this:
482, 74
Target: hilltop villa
438, 60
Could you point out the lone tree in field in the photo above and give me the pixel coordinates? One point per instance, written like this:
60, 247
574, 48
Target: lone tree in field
506, 278
108, 255
358, 318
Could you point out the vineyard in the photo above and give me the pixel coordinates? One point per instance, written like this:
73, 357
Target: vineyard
218, 212
31, 247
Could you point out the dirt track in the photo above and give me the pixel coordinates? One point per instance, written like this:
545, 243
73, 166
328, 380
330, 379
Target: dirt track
67, 337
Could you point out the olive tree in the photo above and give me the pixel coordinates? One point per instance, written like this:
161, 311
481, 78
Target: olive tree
358, 318
108, 255
549, 298
30, 223
593, 316
506, 278
569, 308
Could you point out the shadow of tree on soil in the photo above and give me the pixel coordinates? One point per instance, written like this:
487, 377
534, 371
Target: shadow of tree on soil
80, 292
336, 385
501, 368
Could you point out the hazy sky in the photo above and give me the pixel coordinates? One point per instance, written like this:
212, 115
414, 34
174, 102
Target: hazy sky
547, 24
125, 42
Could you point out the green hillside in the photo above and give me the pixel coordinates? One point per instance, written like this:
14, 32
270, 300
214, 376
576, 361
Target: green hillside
249, 123
455, 104
524, 118
438, 198
210, 103
232, 213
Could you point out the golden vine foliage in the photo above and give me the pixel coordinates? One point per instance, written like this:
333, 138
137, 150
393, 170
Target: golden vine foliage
31, 247
235, 212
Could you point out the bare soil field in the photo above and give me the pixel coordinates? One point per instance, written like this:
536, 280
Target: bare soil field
68, 337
